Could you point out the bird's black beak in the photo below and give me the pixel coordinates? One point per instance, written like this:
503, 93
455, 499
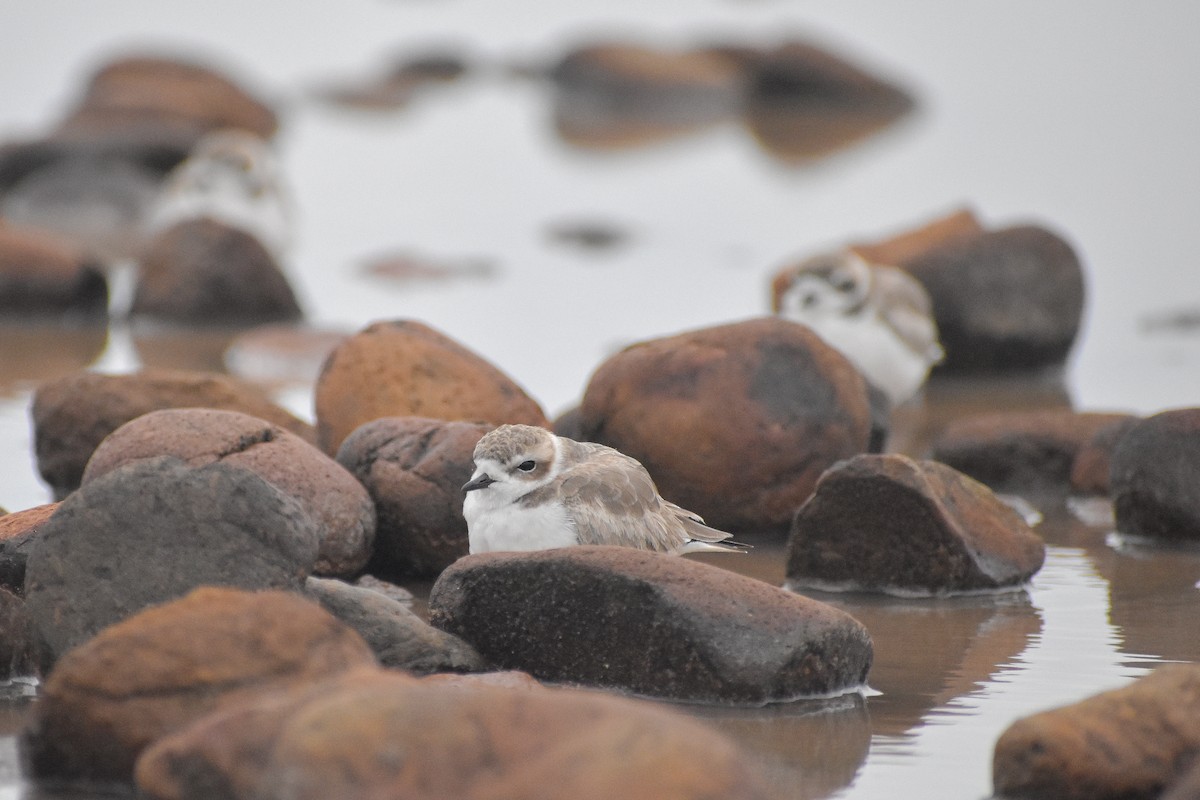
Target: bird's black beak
482, 482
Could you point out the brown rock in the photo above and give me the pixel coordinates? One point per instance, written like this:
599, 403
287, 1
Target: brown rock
1024, 452
1155, 477
406, 369
912, 244
17, 651
1091, 470
18, 533
888, 523
734, 422
39, 276
372, 734
73, 414
202, 271
162, 669
414, 469
339, 505
1129, 743
649, 623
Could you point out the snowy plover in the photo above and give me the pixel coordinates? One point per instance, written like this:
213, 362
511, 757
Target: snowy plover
233, 177
533, 490
878, 316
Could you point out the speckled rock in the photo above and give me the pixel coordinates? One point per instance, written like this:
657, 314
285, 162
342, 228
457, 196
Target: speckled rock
375, 734
649, 623
734, 422
1091, 471
889, 523
72, 415
399, 638
403, 368
18, 532
1023, 452
160, 670
1156, 477
1129, 743
414, 468
336, 502
18, 656
201, 271
40, 276
151, 532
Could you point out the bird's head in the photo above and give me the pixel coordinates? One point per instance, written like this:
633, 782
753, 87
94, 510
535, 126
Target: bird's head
512, 461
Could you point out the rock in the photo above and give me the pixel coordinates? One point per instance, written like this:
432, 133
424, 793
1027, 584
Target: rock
378, 734
414, 469
336, 502
911, 244
406, 369
735, 422
398, 637
168, 666
72, 415
1007, 299
39, 276
1155, 480
1186, 786
18, 533
891, 524
649, 623
1091, 470
17, 652
1128, 743
1023, 452
202, 271
385, 588
151, 532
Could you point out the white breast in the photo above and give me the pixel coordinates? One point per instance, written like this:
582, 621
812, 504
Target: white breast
877, 352
515, 527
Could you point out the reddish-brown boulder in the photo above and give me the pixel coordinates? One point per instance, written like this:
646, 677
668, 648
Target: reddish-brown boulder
19, 532
39, 276
1155, 477
162, 669
734, 422
403, 368
1125, 744
336, 502
72, 415
889, 523
414, 469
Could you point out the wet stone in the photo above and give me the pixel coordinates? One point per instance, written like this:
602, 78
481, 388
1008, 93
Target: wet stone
1155, 477
337, 503
18, 533
18, 656
162, 669
42, 277
1128, 743
152, 531
72, 415
398, 637
381, 734
1022, 452
890, 524
766, 395
649, 623
414, 469
403, 368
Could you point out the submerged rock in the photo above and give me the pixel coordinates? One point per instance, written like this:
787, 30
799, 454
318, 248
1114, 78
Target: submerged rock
337, 503
403, 368
161, 670
377, 734
18, 534
414, 468
1122, 744
649, 623
40, 276
889, 523
72, 415
1155, 477
398, 637
735, 422
151, 532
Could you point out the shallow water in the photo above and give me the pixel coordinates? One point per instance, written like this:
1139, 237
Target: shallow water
1077, 115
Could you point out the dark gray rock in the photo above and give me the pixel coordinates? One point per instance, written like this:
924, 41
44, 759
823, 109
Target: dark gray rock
1155, 477
17, 653
649, 623
151, 532
399, 638
888, 523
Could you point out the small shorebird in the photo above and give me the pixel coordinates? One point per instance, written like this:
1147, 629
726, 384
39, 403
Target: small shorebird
233, 177
533, 490
878, 316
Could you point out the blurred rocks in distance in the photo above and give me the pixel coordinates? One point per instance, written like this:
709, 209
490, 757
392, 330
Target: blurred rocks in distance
399, 83
403, 266
43, 278
798, 100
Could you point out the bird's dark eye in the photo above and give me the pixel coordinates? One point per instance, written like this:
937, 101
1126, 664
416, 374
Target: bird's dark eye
842, 282
526, 466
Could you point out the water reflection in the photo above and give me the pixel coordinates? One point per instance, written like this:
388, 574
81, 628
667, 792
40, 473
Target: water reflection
33, 353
